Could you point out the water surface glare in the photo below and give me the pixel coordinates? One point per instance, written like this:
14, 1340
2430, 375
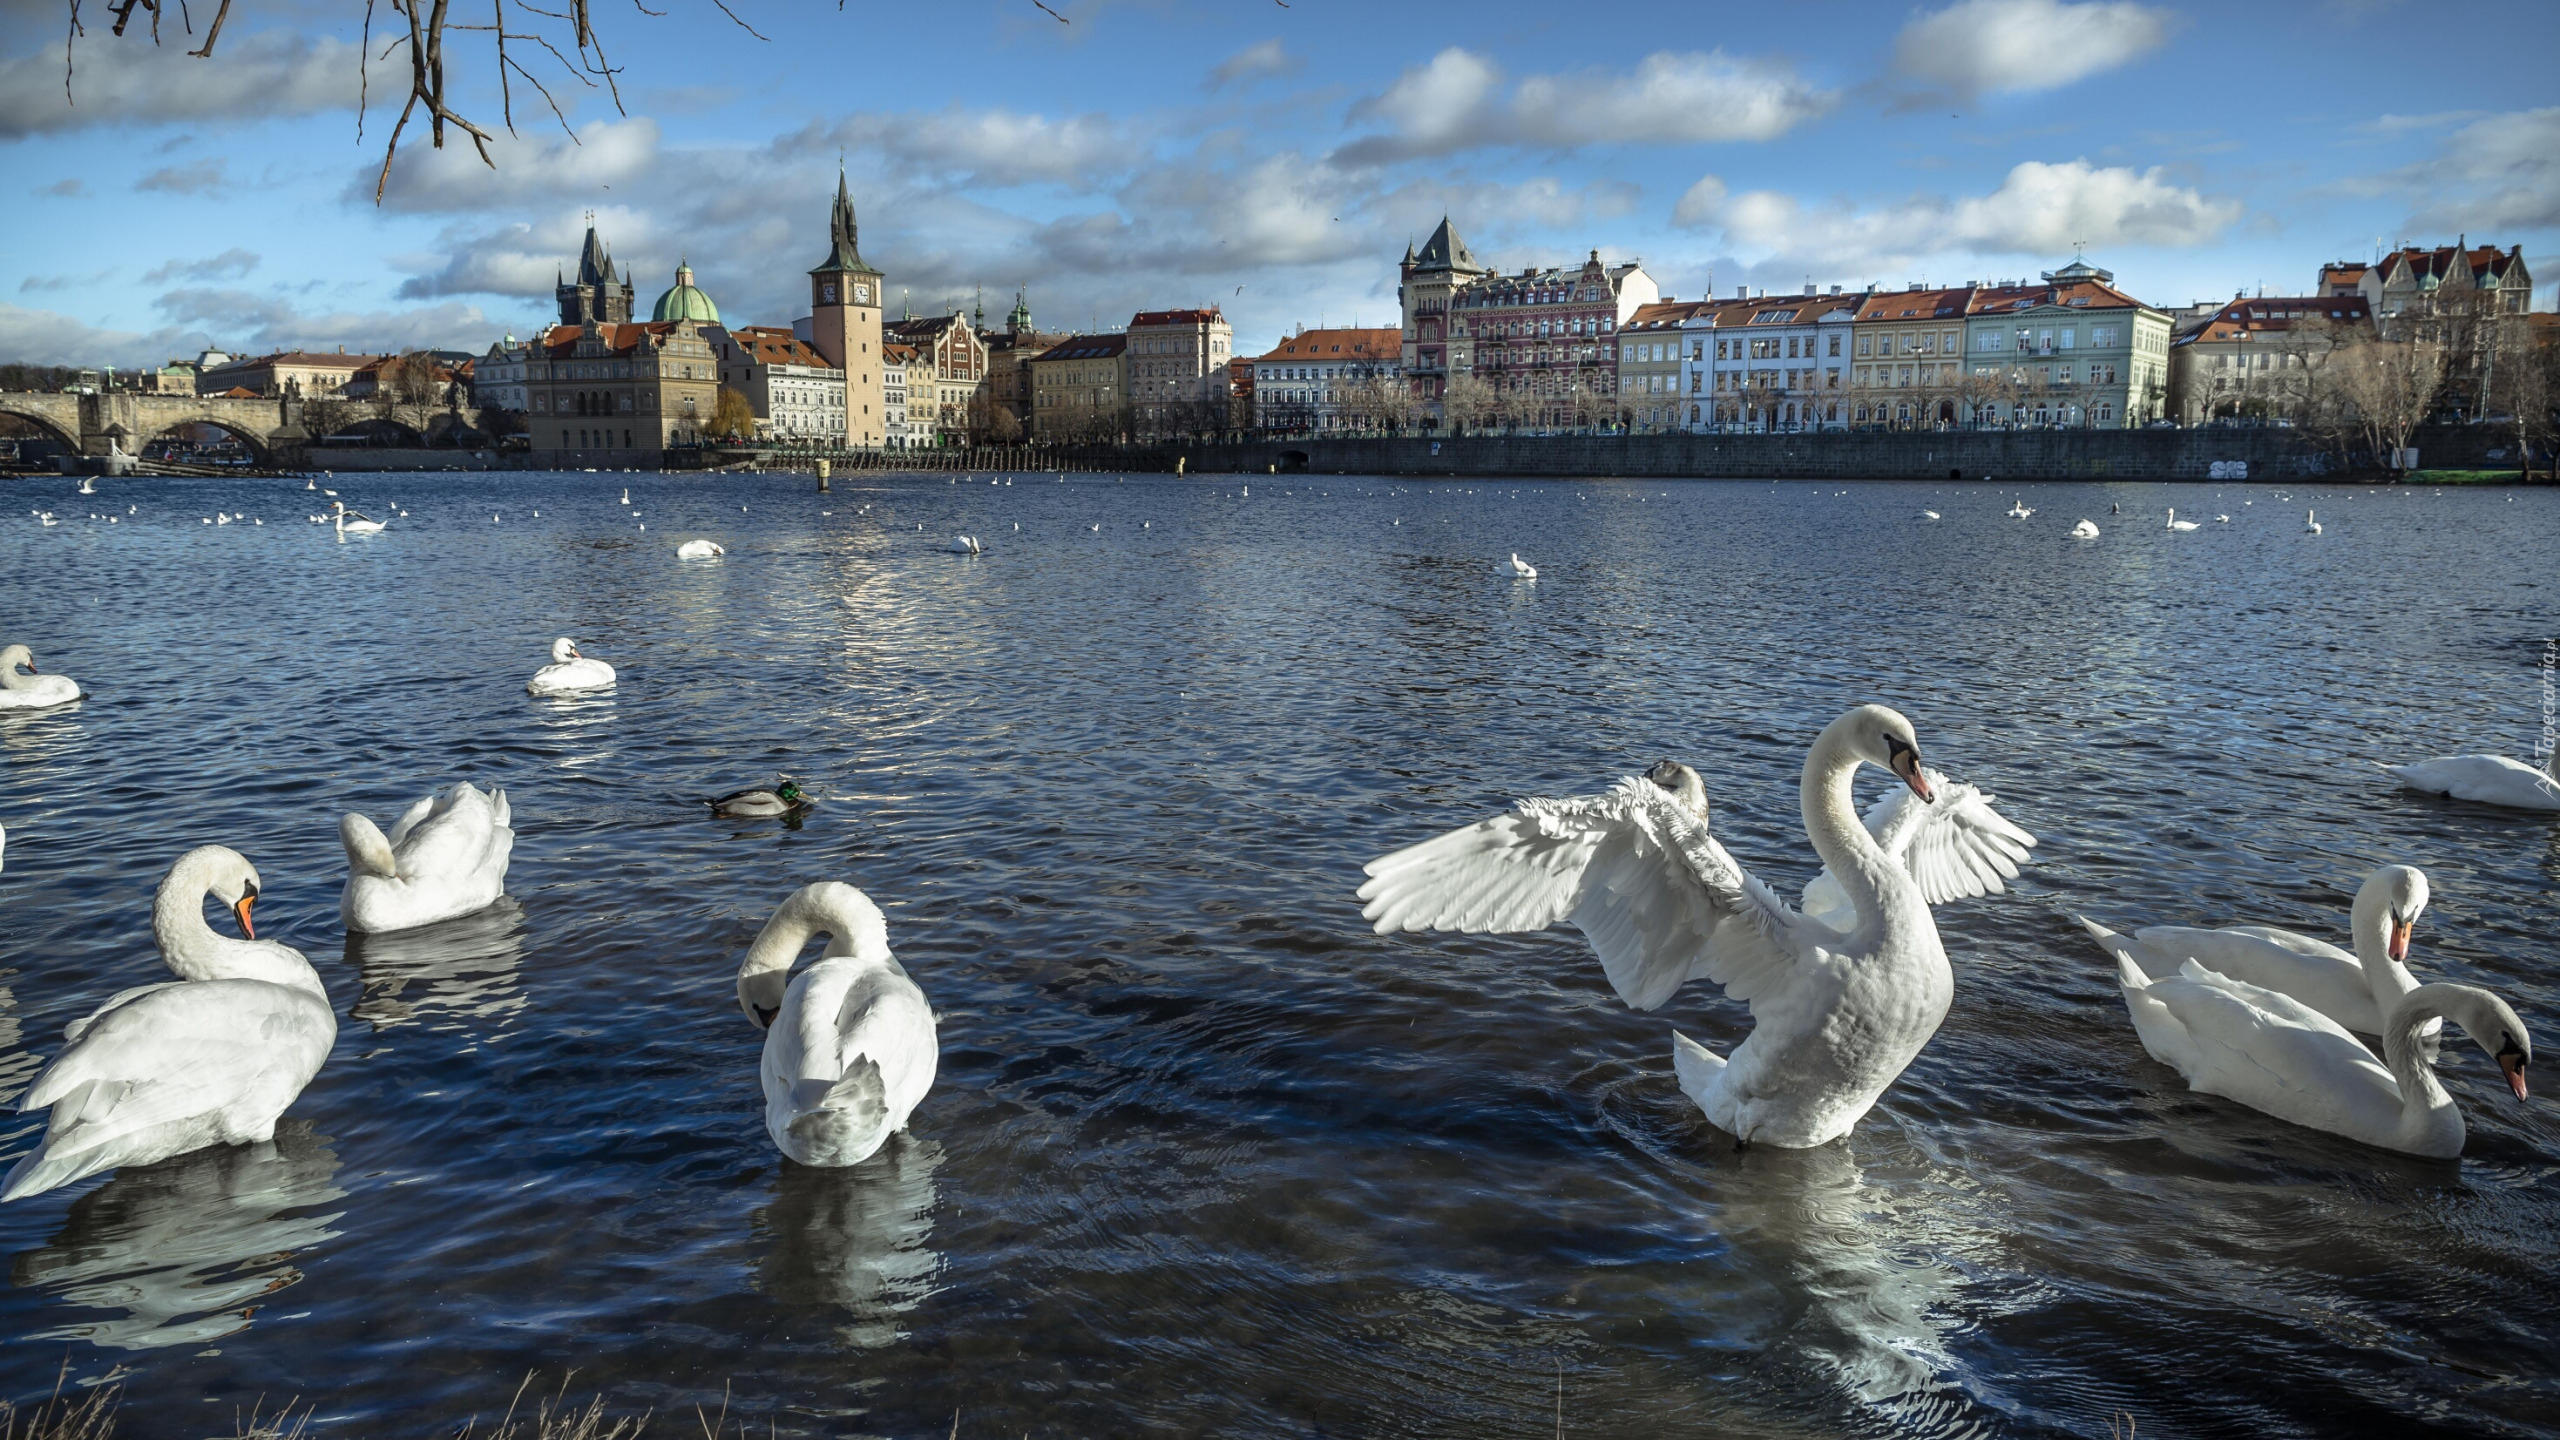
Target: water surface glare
1206, 1156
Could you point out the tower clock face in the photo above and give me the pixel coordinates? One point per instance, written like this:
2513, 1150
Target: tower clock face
827, 291
862, 294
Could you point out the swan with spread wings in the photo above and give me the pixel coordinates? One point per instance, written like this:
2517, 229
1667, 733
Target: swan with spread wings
1843, 993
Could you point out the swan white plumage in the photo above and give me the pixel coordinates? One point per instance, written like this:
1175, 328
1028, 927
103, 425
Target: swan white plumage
966, 545
2354, 990
211, 1058
2486, 780
2085, 530
34, 690
356, 526
1838, 1013
2279, 1056
850, 1046
2182, 525
569, 672
445, 856
2310, 523
1520, 569
1929, 515
2018, 510
698, 550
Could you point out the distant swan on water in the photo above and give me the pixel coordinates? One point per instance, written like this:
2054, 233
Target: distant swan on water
34, 690
1519, 569
698, 550
2310, 523
2177, 524
966, 545
2086, 530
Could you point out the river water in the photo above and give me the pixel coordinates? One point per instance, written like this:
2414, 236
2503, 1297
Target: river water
1205, 1156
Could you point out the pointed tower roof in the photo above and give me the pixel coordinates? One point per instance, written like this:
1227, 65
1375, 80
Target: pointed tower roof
595, 264
841, 229
1445, 251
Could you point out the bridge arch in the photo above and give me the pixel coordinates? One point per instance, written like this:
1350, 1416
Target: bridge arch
250, 440
48, 425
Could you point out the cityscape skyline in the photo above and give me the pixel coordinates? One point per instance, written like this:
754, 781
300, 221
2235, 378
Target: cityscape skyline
1271, 164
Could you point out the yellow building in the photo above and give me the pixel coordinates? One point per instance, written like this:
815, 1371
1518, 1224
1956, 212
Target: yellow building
844, 325
1080, 389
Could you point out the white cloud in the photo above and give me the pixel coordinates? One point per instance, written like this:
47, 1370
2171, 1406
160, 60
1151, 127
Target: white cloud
229, 265
1454, 102
533, 168
1981, 47
2039, 209
199, 177
966, 147
238, 321
133, 82
2497, 174
1701, 204
1263, 57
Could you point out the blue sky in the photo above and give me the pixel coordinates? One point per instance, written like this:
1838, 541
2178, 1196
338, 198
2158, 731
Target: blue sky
1271, 159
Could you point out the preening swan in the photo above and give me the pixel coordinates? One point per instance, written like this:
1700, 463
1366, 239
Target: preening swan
2486, 780
1930, 515
34, 690
1838, 1012
2177, 524
698, 550
782, 798
445, 856
353, 522
2018, 510
2085, 530
849, 1046
569, 672
211, 1058
1519, 569
2310, 523
966, 545
2354, 991
2275, 1054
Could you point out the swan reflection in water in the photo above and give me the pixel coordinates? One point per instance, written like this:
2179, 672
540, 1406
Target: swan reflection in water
456, 975
18, 1067
1868, 1275
189, 1250
854, 1238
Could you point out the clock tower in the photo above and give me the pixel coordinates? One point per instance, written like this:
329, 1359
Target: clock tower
844, 312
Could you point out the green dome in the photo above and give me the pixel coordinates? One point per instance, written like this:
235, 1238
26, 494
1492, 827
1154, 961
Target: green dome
685, 302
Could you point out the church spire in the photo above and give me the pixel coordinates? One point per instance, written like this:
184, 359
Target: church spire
843, 232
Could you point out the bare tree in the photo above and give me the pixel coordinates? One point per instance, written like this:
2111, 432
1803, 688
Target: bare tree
409, 389
2526, 392
2388, 387
418, 35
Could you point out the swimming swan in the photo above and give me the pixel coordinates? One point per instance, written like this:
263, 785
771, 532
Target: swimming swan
966, 545
2310, 524
2277, 1055
569, 672
34, 690
698, 550
1838, 1013
849, 1045
2085, 530
211, 1058
2481, 779
2181, 525
446, 856
358, 525
1519, 569
2353, 991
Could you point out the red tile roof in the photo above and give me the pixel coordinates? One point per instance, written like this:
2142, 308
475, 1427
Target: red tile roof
2267, 314
1144, 318
1949, 303
1339, 343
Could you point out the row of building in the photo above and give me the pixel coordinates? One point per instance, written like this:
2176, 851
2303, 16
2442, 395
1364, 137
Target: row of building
1594, 346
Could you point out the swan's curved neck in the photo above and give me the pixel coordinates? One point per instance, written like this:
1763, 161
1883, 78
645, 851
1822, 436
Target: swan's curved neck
808, 914
1831, 822
2422, 1096
10, 679
2370, 922
194, 950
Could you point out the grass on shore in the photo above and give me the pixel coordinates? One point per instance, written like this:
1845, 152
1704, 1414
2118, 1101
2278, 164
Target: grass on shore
2509, 476
92, 1415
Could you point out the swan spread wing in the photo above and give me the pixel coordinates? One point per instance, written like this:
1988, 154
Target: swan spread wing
1658, 898
179, 1052
1956, 849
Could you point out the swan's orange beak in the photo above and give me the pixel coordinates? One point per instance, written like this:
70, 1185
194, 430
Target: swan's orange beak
1906, 763
240, 912
2399, 946
2512, 1063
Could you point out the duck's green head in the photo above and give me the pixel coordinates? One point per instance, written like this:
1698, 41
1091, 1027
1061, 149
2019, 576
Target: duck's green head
789, 790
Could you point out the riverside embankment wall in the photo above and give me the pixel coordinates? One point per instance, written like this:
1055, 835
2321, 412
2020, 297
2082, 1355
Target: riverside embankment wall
2271, 454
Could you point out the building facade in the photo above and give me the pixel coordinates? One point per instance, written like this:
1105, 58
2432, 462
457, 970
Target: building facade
1320, 382
2412, 283
1908, 368
1178, 363
1543, 343
1080, 389
896, 361
1008, 384
797, 397
2071, 352
1428, 285
949, 370
312, 375
1651, 364
1774, 362
593, 385
844, 324
2259, 358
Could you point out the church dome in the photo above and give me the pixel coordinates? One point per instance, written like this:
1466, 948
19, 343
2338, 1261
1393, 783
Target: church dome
685, 302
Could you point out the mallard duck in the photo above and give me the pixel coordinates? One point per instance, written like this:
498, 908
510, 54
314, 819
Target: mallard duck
782, 798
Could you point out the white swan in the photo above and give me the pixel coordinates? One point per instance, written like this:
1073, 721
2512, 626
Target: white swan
2275, 1054
2181, 525
1519, 569
2481, 779
2353, 991
34, 690
849, 1046
2222, 519
698, 550
2310, 523
211, 1058
2018, 510
569, 672
1838, 1013
357, 526
966, 545
446, 856
2085, 530
1930, 515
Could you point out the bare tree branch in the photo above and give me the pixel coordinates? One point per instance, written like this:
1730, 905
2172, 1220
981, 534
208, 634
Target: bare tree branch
213, 32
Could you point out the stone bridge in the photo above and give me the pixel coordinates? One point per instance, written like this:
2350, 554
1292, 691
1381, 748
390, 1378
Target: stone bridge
271, 430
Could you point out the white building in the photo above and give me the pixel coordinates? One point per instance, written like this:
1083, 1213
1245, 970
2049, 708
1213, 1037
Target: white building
498, 378
1772, 363
1325, 381
798, 398
896, 359
1178, 370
